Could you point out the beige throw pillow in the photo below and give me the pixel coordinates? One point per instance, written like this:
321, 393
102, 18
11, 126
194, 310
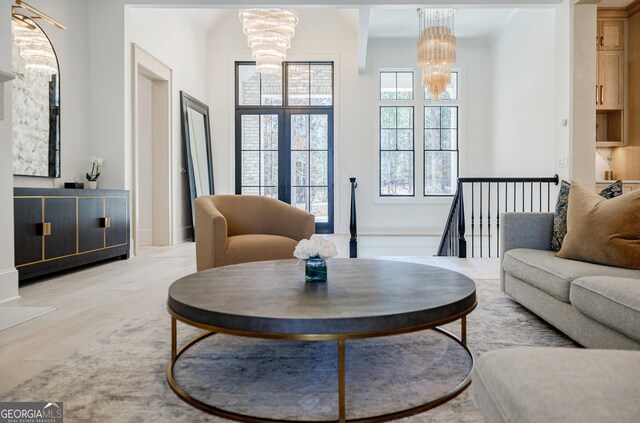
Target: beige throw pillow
603, 231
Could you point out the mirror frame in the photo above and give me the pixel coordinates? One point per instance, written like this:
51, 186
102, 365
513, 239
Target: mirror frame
188, 102
54, 156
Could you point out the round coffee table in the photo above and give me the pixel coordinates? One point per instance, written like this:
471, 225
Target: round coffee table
361, 299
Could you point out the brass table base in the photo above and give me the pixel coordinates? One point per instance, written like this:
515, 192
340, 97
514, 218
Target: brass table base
185, 396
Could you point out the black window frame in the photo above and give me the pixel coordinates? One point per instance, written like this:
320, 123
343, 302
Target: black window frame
440, 105
284, 113
412, 150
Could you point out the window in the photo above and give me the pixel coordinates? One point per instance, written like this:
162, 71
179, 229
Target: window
398, 109
396, 135
440, 150
284, 138
396, 151
441, 159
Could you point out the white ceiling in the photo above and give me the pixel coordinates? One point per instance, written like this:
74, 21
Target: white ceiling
469, 22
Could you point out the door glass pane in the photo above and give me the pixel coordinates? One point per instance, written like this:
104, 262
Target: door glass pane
310, 163
299, 168
269, 132
248, 85
440, 172
269, 168
299, 132
250, 168
269, 192
250, 191
396, 173
250, 132
271, 89
319, 132
321, 85
320, 203
319, 167
259, 144
300, 197
298, 84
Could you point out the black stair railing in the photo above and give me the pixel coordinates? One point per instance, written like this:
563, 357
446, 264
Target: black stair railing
353, 224
490, 197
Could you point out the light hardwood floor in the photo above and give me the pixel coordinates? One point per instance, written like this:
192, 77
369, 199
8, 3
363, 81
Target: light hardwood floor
93, 301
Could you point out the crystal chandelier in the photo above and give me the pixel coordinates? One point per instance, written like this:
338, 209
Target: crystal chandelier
436, 49
269, 33
35, 48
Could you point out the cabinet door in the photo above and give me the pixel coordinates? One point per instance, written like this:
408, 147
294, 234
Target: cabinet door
91, 232
116, 209
611, 35
60, 214
610, 80
27, 230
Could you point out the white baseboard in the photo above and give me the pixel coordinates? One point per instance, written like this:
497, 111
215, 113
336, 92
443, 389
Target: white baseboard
9, 284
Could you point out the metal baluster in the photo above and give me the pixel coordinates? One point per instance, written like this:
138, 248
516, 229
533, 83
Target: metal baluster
540, 197
481, 187
462, 243
523, 197
548, 197
489, 217
473, 221
498, 220
531, 193
514, 196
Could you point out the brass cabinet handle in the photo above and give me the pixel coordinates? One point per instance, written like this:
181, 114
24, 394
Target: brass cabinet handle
105, 222
601, 95
596, 94
601, 41
46, 228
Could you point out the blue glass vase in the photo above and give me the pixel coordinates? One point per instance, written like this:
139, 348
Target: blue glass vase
315, 270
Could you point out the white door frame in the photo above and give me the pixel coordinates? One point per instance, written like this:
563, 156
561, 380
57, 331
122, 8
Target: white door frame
162, 150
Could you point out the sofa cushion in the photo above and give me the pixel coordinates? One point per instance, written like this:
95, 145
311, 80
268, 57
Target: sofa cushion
558, 385
614, 302
603, 231
552, 274
560, 216
256, 247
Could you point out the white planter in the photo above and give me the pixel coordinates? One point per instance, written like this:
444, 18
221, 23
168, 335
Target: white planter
91, 184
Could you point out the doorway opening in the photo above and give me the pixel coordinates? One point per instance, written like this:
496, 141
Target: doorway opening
152, 196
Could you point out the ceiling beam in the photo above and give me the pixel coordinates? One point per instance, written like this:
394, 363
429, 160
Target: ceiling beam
363, 37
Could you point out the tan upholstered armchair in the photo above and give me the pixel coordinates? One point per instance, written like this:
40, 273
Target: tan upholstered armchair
241, 228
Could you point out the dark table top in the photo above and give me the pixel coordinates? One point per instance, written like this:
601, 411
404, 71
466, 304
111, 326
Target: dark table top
360, 296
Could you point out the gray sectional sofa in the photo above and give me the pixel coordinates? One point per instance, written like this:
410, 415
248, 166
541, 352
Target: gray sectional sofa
597, 306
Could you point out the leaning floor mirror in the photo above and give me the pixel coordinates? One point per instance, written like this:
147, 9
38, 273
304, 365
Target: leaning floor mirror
197, 141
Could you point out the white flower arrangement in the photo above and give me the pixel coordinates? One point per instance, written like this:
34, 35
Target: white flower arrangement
316, 246
95, 162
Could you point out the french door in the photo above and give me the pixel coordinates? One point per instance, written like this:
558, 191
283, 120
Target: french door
287, 153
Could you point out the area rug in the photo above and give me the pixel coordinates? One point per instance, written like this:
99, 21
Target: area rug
121, 377
11, 316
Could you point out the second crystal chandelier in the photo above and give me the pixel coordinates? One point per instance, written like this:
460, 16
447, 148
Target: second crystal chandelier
269, 33
436, 49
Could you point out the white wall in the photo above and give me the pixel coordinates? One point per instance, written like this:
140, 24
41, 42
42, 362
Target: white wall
171, 37
523, 66
8, 274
